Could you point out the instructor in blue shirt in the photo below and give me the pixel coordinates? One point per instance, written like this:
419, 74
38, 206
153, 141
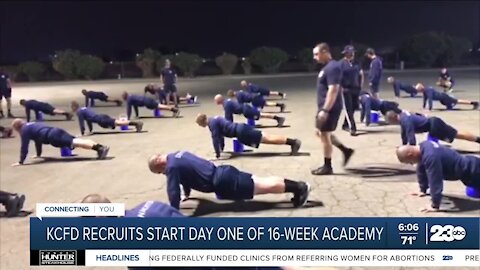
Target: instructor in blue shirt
329, 107
375, 72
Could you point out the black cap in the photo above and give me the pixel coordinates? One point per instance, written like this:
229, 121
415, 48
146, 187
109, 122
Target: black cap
369, 51
348, 49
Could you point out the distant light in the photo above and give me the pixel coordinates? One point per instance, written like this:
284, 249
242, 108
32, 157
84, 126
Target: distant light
243, 58
176, 53
470, 50
478, 50
204, 60
55, 56
111, 62
138, 54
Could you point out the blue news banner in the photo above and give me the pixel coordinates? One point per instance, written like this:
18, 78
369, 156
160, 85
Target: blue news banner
80, 234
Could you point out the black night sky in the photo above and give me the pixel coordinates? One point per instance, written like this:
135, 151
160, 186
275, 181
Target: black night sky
32, 31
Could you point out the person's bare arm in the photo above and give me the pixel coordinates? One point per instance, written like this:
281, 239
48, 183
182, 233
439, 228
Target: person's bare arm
331, 97
9, 83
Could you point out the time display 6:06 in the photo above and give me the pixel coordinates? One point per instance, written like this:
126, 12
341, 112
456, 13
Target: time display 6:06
409, 227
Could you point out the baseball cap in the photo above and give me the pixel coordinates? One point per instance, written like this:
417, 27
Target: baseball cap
348, 49
369, 51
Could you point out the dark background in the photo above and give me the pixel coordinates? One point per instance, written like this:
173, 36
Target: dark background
33, 31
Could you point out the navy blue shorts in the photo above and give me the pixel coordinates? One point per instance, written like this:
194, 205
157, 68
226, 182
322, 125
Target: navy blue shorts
259, 101
104, 121
5, 93
250, 112
448, 100
170, 88
440, 130
331, 122
263, 91
46, 108
248, 135
231, 184
151, 104
59, 138
375, 87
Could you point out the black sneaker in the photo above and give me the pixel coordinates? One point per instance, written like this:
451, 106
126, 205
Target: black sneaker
176, 112
139, 126
475, 105
282, 107
324, 170
346, 128
347, 155
102, 152
300, 198
353, 133
15, 205
280, 121
119, 103
296, 146
10, 115
69, 116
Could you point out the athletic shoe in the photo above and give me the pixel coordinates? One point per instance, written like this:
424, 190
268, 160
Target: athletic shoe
353, 133
195, 99
324, 170
450, 90
119, 103
69, 116
176, 112
139, 126
284, 96
14, 205
102, 152
280, 121
300, 198
296, 146
10, 115
282, 107
347, 155
475, 105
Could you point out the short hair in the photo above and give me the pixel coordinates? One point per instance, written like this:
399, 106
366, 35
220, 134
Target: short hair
231, 93
74, 104
201, 118
323, 47
95, 198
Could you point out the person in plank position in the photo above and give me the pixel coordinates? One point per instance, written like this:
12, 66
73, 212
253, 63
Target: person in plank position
136, 101
85, 114
430, 94
398, 85
192, 172
436, 163
37, 106
246, 134
256, 100
370, 103
412, 123
98, 95
56, 137
232, 107
256, 89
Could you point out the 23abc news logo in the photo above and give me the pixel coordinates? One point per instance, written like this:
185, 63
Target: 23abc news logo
447, 233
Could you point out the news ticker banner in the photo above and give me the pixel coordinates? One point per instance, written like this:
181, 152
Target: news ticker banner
256, 241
